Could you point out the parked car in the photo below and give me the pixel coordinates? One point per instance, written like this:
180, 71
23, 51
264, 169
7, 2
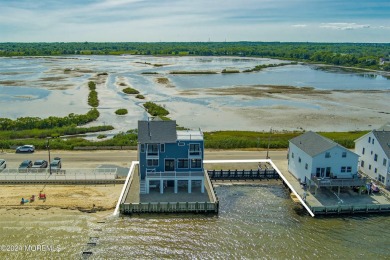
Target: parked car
26, 164
25, 149
3, 164
56, 164
40, 164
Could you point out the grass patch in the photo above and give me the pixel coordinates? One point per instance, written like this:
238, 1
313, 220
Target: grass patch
248, 139
101, 136
121, 111
192, 72
129, 90
260, 67
139, 96
230, 71
156, 110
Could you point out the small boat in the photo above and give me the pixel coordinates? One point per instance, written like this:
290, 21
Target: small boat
294, 197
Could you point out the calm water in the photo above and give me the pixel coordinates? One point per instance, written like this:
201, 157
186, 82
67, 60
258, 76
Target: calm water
254, 222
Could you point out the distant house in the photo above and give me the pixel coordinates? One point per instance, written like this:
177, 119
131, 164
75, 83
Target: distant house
312, 157
374, 151
169, 158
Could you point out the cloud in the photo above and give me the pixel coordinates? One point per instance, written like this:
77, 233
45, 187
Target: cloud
344, 26
299, 25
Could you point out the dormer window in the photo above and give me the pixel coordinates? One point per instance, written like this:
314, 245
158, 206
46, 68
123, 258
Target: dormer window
327, 155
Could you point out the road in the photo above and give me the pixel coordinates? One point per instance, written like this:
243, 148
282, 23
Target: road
93, 159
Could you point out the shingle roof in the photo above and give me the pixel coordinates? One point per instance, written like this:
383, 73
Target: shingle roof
313, 143
157, 131
383, 138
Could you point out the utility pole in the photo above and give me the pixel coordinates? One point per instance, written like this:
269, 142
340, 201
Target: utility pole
48, 149
269, 140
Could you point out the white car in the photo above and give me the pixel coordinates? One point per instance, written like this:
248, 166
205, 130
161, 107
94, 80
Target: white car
25, 149
3, 164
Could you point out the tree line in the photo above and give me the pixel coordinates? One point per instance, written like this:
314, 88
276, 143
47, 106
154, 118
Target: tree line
363, 55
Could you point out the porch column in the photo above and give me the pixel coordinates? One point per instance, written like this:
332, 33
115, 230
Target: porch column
189, 186
161, 187
176, 184
338, 191
147, 187
202, 186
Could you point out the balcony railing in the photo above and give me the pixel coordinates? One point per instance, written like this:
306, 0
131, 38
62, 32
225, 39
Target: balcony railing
173, 174
194, 154
342, 182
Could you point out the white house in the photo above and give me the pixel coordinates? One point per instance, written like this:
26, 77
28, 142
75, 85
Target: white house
374, 151
312, 157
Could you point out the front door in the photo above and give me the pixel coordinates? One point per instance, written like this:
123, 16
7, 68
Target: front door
169, 165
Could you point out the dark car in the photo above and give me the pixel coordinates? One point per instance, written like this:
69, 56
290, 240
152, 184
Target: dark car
56, 164
40, 164
26, 164
25, 149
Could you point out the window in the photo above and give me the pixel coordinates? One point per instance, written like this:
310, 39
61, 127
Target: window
327, 172
343, 169
142, 148
306, 166
384, 161
369, 139
181, 144
363, 150
194, 149
349, 169
292, 155
369, 166
381, 178
344, 154
376, 170
376, 157
196, 163
299, 160
373, 140
362, 164
182, 163
327, 155
152, 149
152, 162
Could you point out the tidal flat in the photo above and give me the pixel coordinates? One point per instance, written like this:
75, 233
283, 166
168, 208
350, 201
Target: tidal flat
290, 97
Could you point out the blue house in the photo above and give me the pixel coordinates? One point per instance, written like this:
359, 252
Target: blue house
169, 158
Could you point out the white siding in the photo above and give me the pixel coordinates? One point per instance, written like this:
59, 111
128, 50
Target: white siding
336, 161
370, 150
298, 168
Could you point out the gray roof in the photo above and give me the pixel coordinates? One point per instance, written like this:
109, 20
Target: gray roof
383, 138
313, 143
157, 131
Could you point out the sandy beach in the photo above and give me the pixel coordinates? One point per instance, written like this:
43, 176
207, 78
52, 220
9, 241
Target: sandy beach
77, 197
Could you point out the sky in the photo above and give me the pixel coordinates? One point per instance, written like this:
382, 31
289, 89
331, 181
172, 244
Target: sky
194, 20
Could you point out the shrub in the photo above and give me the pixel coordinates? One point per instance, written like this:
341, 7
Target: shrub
121, 111
155, 110
130, 91
139, 96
